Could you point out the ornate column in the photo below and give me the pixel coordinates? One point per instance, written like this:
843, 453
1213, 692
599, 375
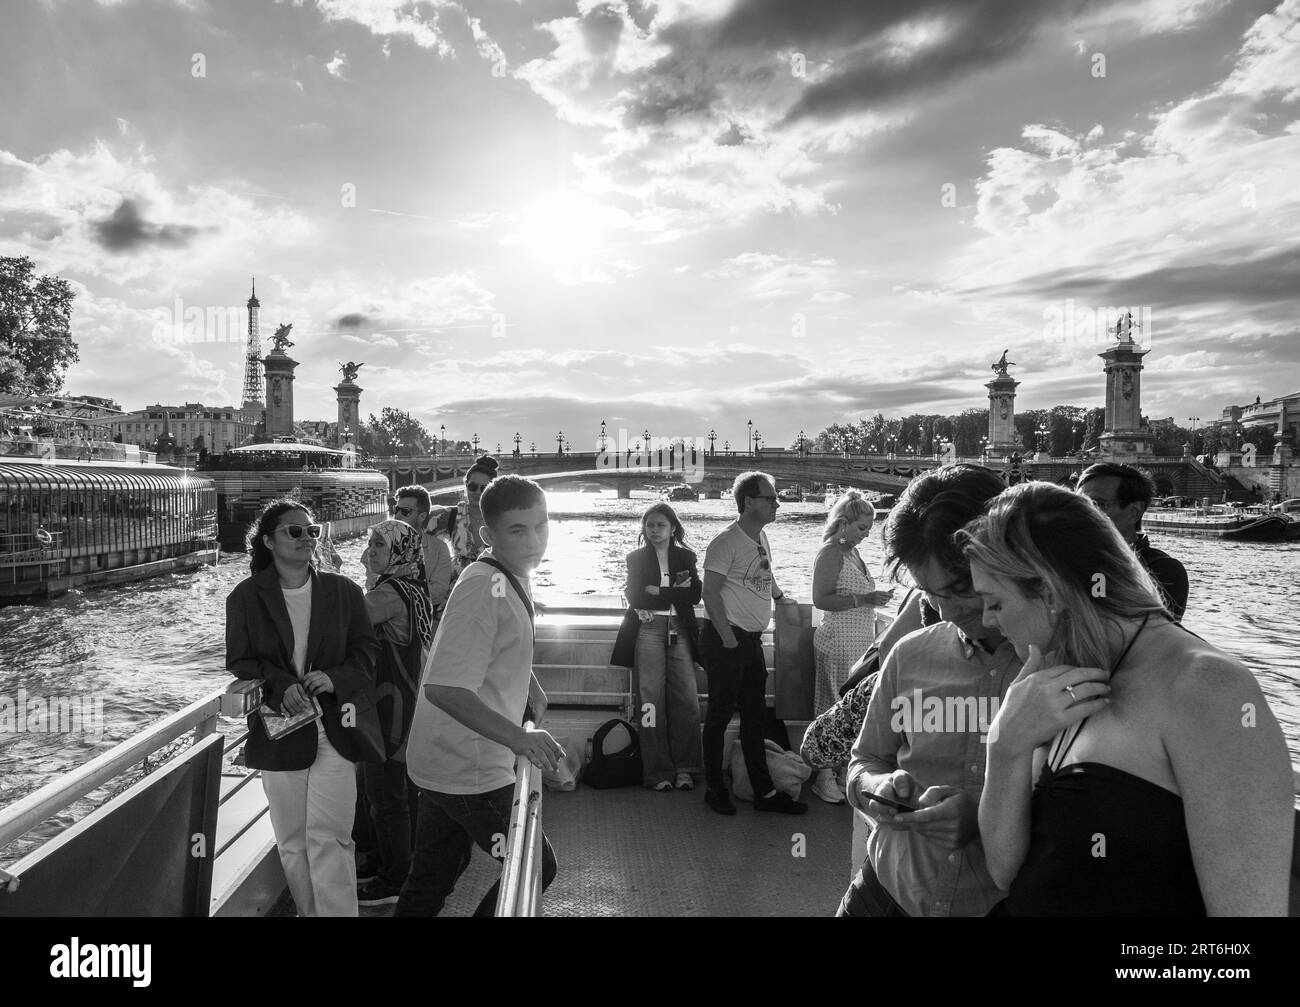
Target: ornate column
348, 393
1002, 409
279, 386
1124, 438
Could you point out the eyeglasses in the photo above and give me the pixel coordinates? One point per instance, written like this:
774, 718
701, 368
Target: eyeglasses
763, 496
296, 530
476, 487
404, 511
957, 590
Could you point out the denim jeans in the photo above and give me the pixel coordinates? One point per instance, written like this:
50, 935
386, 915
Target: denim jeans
867, 897
737, 678
449, 827
389, 809
666, 680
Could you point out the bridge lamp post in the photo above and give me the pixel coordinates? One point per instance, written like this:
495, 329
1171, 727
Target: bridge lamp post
1193, 420
750, 424
1042, 436
517, 443
602, 436
568, 447
559, 443
801, 443
474, 441
645, 437
532, 447
442, 430
726, 447
984, 448
498, 448
713, 436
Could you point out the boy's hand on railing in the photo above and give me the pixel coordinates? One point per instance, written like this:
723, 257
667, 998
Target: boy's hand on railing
539, 748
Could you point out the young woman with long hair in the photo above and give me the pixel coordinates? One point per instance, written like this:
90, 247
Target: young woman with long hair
1133, 768
307, 636
659, 637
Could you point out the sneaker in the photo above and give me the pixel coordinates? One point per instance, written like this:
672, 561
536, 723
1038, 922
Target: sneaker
781, 802
684, 782
827, 789
662, 786
377, 893
719, 801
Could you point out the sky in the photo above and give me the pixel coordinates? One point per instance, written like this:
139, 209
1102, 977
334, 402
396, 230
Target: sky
534, 215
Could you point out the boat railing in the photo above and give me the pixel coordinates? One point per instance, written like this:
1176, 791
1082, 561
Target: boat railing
520, 891
155, 753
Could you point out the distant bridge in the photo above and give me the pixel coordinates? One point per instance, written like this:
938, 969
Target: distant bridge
712, 474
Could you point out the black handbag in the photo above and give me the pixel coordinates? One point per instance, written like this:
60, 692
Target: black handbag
620, 769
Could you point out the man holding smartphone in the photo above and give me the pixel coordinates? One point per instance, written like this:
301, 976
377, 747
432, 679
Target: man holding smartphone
918, 764
739, 588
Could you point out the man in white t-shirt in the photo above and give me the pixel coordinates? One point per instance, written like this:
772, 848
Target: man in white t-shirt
466, 731
739, 588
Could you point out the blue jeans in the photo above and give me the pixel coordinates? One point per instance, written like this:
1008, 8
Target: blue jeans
449, 827
737, 678
867, 897
390, 810
666, 680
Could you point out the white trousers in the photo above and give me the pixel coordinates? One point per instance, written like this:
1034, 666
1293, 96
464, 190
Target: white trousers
311, 813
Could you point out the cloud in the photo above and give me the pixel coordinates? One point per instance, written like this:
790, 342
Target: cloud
336, 66
125, 230
352, 320
393, 17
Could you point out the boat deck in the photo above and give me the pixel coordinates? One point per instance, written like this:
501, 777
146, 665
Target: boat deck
634, 852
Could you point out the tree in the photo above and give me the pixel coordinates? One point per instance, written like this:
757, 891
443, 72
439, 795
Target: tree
36, 343
394, 432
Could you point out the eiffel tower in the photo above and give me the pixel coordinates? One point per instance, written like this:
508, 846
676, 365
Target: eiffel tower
254, 402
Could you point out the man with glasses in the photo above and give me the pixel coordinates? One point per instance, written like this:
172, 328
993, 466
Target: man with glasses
1124, 493
924, 740
413, 506
739, 588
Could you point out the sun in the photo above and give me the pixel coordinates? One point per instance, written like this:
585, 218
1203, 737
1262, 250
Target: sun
564, 229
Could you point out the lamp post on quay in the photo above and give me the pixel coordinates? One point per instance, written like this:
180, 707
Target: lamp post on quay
442, 429
713, 436
750, 424
602, 436
517, 443
475, 441
559, 444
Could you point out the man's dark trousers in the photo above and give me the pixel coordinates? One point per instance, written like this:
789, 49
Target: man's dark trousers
737, 677
448, 829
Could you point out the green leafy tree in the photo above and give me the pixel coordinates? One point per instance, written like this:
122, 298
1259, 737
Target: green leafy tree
394, 432
36, 343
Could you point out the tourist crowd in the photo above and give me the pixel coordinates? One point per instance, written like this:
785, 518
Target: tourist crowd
1034, 733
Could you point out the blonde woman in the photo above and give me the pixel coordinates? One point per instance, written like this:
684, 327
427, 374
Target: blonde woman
845, 591
1133, 768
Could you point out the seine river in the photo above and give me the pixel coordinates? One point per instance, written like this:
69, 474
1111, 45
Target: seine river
150, 648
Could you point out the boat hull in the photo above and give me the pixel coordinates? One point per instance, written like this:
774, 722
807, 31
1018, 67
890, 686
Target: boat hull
1230, 527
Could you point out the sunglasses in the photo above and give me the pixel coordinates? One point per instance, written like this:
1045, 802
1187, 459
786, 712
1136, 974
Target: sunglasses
763, 563
404, 511
476, 487
763, 496
295, 530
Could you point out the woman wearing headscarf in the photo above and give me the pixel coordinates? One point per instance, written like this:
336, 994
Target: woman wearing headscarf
397, 599
463, 523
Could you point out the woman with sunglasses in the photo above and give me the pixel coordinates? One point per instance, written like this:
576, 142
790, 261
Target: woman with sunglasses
307, 636
1133, 768
465, 522
659, 637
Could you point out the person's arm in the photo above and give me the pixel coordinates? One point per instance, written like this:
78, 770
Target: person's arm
537, 698
243, 659
440, 575
826, 572
1033, 712
1230, 761
875, 752
716, 608
384, 604
685, 595
465, 706
358, 668
637, 582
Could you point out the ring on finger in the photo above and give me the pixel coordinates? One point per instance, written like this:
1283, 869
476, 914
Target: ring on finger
1070, 690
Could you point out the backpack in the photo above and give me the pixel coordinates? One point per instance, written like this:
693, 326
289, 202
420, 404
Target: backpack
619, 769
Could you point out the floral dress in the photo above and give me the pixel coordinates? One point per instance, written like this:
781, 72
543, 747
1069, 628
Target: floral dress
843, 636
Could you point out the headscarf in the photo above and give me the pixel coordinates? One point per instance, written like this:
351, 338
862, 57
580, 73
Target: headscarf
405, 571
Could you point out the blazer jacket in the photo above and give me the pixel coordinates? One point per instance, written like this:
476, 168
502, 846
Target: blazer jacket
642, 571
340, 642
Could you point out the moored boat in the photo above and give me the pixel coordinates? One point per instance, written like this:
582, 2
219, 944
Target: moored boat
1222, 523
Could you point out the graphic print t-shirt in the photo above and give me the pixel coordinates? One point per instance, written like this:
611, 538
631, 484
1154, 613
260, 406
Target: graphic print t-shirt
747, 591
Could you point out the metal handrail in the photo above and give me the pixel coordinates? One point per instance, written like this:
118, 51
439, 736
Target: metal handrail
520, 891
25, 814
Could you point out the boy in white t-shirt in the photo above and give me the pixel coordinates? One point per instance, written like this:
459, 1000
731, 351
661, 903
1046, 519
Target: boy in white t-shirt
477, 681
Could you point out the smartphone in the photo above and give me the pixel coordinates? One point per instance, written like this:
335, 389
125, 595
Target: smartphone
890, 802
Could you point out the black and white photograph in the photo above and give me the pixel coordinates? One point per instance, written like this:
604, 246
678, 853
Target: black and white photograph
652, 458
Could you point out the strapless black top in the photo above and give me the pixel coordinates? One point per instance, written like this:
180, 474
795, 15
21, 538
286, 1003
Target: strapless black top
1104, 842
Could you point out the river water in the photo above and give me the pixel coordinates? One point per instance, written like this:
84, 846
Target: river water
147, 649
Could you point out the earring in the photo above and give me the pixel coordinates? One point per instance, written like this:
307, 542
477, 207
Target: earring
840, 541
